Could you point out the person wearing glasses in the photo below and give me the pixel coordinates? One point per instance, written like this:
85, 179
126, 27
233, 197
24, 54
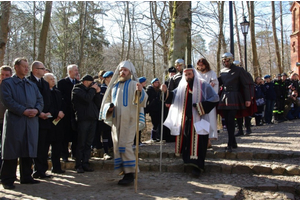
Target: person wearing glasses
45, 117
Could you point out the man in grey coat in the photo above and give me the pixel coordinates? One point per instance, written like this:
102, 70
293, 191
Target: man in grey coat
24, 102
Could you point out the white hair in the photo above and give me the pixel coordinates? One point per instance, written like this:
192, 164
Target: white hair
70, 67
47, 75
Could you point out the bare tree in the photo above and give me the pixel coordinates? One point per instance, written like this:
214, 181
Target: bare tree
180, 32
237, 35
281, 36
277, 50
5, 11
44, 32
221, 34
250, 6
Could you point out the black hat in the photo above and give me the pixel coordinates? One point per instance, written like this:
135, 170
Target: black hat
278, 75
172, 69
283, 74
87, 78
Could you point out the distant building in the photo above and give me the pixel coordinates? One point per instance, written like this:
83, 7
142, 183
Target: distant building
295, 37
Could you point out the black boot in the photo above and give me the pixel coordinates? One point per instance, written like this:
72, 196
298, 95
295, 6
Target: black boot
240, 133
127, 179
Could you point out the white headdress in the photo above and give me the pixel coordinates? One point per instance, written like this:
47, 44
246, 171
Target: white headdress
173, 121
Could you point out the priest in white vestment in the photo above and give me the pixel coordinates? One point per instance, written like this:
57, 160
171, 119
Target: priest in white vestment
118, 109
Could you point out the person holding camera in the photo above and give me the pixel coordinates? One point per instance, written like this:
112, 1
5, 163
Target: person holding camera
85, 98
293, 106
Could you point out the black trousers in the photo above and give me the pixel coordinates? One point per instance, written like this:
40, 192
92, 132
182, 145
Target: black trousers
86, 132
9, 168
41, 161
156, 120
247, 123
55, 154
1, 126
229, 116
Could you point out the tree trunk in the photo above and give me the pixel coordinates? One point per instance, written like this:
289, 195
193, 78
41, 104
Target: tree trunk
153, 39
277, 50
164, 30
221, 34
44, 32
180, 32
5, 10
123, 35
238, 35
34, 30
281, 33
83, 16
253, 40
129, 30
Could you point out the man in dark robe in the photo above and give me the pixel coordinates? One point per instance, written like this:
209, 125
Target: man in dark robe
188, 118
233, 80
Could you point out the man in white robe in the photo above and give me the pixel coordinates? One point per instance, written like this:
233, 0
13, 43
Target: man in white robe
210, 77
188, 119
118, 109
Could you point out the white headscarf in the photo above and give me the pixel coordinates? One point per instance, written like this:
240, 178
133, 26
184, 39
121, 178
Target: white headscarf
173, 121
127, 64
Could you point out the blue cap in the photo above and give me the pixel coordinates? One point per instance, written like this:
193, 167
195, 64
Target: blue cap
153, 80
267, 76
142, 79
107, 74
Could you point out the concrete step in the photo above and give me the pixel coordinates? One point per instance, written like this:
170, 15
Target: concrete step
287, 166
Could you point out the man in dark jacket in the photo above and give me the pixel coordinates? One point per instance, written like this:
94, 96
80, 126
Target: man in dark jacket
270, 98
85, 98
174, 81
280, 90
154, 107
65, 86
233, 79
41, 161
24, 102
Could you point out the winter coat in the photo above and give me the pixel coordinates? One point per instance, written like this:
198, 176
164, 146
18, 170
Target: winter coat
86, 101
20, 133
270, 91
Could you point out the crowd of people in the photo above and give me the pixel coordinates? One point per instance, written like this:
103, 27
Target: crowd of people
76, 115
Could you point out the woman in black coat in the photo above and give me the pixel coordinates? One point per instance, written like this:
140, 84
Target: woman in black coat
57, 127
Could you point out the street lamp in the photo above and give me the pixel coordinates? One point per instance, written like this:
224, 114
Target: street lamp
245, 27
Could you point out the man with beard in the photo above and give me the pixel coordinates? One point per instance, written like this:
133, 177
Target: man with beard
232, 78
154, 108
118, 109
210, 77
193, 99
174, 81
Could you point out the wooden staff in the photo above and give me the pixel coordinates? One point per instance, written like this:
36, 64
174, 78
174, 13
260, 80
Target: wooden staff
137, 98
161, 123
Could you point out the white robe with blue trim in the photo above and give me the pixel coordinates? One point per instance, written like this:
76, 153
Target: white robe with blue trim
123, 122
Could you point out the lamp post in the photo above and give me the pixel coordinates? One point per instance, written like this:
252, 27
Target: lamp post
245, 27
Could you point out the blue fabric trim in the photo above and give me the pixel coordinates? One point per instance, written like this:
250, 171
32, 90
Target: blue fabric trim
143, 96
125, 93
114, 92
133, 165
142, 118
122, 149
117, 161
117, 167
129, 161
105, 109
